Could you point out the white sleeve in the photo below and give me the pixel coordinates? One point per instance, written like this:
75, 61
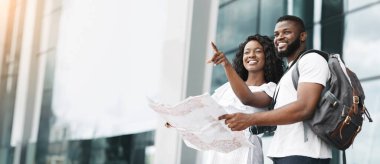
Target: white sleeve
269, 88
220, 91
313, 68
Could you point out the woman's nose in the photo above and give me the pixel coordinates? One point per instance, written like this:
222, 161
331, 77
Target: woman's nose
252, 54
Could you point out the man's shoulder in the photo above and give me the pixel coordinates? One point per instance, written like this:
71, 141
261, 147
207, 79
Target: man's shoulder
313, 67
312, 58
321, 53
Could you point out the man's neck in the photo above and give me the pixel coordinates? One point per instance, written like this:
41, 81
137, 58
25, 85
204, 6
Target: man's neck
292, 57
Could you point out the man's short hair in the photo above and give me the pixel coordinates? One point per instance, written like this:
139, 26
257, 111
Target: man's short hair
295, 19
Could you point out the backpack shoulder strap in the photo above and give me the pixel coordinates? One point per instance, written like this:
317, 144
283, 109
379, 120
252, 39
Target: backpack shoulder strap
296, 73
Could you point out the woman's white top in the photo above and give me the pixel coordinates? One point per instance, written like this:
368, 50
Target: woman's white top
226, 97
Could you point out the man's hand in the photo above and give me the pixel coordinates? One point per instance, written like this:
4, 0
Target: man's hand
219, 57
237, 121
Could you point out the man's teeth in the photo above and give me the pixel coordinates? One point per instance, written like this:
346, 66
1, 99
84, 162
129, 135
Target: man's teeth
281, 44
252, 62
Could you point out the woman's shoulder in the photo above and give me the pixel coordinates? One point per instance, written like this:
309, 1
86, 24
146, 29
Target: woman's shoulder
269, 85
264, 86
221, 89
269, 88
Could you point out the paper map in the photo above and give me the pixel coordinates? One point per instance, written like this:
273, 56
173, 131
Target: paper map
196, 119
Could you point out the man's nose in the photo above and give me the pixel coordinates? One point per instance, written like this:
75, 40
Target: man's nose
280, 36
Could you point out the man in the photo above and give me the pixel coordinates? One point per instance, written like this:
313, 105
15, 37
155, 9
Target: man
292, 143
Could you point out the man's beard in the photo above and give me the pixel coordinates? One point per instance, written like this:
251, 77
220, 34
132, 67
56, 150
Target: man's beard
292, 47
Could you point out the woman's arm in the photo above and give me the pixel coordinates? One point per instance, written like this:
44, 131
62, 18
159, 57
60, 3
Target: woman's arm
241, 90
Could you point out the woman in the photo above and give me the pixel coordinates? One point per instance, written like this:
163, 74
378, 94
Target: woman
252, 81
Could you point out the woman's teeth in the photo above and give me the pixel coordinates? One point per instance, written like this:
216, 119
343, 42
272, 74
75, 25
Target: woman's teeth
252, 62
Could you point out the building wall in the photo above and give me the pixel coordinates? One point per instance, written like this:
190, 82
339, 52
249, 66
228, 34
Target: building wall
359, 53
27, 133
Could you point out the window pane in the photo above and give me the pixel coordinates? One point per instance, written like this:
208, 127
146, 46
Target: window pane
354, 4
218, 75
271, 10
236, 21
362, 40
365, 147
222, 2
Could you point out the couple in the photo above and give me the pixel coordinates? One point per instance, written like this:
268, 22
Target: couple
252, 79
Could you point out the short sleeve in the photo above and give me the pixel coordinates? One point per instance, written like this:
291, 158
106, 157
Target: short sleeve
313, 68
269, 88
220, 91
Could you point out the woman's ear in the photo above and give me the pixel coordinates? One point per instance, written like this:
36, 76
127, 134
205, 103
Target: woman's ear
303, 36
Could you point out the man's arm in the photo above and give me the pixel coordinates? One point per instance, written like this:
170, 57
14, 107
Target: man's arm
308, 95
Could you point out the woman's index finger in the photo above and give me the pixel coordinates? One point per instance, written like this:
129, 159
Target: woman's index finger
214, 47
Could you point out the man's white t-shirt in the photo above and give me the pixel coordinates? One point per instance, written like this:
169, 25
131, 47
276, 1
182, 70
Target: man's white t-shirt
289, 140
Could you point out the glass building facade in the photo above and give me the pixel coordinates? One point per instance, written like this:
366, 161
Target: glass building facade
347, 27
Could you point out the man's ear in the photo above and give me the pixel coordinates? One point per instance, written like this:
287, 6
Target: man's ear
303, 36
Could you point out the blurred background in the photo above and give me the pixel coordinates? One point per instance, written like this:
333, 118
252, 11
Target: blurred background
76, 74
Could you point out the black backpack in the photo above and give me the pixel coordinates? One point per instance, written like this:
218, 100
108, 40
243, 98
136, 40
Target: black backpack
340, 112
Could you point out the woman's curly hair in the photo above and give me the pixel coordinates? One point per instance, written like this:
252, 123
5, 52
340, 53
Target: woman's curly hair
273, 68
